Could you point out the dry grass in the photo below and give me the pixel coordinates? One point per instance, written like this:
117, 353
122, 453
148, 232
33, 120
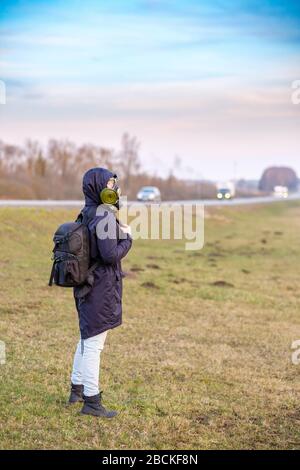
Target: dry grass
202, 360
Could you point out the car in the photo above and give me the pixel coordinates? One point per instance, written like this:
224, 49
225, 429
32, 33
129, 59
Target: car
280, 191
225, 190
224, 193
149, 194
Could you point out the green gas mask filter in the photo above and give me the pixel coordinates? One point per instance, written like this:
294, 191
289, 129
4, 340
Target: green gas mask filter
110, 195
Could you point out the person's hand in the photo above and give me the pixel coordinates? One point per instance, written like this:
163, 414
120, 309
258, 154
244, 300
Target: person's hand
125, 228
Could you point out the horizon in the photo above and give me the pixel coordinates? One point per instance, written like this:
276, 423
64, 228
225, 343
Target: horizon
210, 85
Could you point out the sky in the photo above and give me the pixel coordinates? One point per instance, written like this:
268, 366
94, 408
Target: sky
205, 84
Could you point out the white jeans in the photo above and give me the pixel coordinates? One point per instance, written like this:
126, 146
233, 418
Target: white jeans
86, 365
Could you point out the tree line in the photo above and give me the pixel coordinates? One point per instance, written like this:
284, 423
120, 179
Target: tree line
54, 171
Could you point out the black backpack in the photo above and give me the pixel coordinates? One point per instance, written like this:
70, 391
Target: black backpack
71, 257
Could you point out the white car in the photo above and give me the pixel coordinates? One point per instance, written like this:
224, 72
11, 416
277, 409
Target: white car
281, 191
149, 194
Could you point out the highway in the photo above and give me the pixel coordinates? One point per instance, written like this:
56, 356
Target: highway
206, 202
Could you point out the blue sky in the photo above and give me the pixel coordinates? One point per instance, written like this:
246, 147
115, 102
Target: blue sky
208, 82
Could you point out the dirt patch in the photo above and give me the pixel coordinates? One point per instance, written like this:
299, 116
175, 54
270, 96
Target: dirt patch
207, 418
246, 271
203, 419
179, 281
153, 266
136, 269
294, 415
222, 284
195, 253
149, 285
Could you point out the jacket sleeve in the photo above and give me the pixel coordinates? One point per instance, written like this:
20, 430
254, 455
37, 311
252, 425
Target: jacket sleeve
111, 249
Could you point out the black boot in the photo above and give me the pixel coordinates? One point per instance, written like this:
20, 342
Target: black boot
92, 406
76, 394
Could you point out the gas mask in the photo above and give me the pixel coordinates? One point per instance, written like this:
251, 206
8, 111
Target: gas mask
111, 195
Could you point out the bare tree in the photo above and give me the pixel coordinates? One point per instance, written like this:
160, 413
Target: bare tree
129, 162
55, 171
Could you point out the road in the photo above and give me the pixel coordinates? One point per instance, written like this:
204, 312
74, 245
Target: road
205, 202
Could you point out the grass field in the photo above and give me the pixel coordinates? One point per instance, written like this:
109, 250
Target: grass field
202, 360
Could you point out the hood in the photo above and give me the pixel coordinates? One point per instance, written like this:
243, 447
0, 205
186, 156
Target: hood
94, 181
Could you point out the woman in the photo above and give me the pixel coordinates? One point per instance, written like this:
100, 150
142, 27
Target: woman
101, 309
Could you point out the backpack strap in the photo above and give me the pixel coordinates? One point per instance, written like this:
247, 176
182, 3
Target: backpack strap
79, 218
52, 274
85, 289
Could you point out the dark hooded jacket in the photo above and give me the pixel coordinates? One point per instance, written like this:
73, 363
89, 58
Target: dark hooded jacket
101, 308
